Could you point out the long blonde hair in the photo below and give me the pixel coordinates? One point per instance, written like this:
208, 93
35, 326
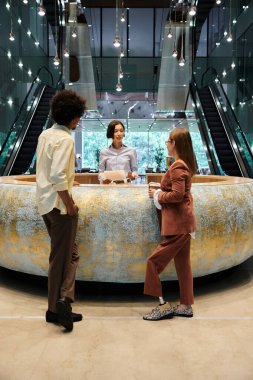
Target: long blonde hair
183, 144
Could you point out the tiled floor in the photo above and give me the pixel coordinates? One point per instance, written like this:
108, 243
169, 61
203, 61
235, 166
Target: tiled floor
113, 342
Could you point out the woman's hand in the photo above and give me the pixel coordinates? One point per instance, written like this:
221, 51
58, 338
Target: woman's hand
106, 181
75, 183
130, 176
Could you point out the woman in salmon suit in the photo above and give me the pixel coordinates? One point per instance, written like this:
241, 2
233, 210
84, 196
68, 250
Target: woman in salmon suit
178, 224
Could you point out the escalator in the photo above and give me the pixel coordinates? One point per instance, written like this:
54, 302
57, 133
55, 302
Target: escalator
19, 147
27, 150
219, 136
228, 151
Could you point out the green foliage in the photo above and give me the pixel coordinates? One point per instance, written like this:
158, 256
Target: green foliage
159, 156
150, 147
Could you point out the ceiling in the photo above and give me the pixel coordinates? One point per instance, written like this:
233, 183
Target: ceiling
142, 38
127, 3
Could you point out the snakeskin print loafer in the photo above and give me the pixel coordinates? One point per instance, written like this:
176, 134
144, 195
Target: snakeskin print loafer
160, 312
187, 312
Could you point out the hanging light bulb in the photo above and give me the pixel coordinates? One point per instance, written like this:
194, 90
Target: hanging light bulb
41, 10
181, 61
122, 17
118, 87
66, 53
121, 74
116, 42
229, 36
56, 60
192, 11
74, 33
218, 2
170, 35
25, 1
122, 53
74, 30
174, 53
11, 36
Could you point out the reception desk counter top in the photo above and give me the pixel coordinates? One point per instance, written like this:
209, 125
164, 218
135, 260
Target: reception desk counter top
118, 227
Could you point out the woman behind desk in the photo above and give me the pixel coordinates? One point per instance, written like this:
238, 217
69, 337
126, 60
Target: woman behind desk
118, 156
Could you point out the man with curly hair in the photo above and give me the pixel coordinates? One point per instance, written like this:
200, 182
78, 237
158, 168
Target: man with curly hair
55, 172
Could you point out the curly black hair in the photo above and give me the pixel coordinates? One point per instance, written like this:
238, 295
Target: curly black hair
66, 105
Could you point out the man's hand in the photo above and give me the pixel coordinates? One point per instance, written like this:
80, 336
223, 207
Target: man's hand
71, 207
72, 210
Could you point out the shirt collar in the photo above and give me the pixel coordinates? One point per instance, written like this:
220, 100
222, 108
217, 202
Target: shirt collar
111, 146
62, 127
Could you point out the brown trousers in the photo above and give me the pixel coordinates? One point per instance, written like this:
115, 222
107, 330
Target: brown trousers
63, 257
175, 247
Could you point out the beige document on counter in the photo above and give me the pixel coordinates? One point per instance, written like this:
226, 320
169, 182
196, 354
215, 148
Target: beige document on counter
114, 175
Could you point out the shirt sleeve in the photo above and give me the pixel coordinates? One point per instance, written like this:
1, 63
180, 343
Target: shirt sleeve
178, 178
101, 165
156, 203
133, 163
62, 153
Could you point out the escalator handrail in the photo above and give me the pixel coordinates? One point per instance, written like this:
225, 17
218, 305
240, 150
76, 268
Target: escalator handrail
49, 72
210, 149
23, 104
230, 108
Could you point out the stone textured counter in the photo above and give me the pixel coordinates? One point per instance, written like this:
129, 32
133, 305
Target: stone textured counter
118, 228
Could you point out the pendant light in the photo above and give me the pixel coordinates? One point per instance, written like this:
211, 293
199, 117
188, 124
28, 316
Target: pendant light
120, 75
74, 30
181, 61
122, 16
116, 41
11, 35
174, 53
41, 9
170, 35
229, 35
56, 60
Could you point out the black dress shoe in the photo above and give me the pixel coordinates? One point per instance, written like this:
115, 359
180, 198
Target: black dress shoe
64, 313
52, 317
76, 317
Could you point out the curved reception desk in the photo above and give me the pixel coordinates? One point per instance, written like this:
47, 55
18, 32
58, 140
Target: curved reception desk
118, 228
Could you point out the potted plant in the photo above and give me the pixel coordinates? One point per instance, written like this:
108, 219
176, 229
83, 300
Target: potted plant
159, 158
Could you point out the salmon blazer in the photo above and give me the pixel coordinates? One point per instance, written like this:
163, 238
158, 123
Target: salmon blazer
177, 212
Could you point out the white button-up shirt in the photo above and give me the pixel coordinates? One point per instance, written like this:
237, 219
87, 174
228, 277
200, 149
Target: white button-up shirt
55, 168
124, 158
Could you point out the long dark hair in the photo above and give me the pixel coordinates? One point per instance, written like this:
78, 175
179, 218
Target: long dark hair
183, 144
